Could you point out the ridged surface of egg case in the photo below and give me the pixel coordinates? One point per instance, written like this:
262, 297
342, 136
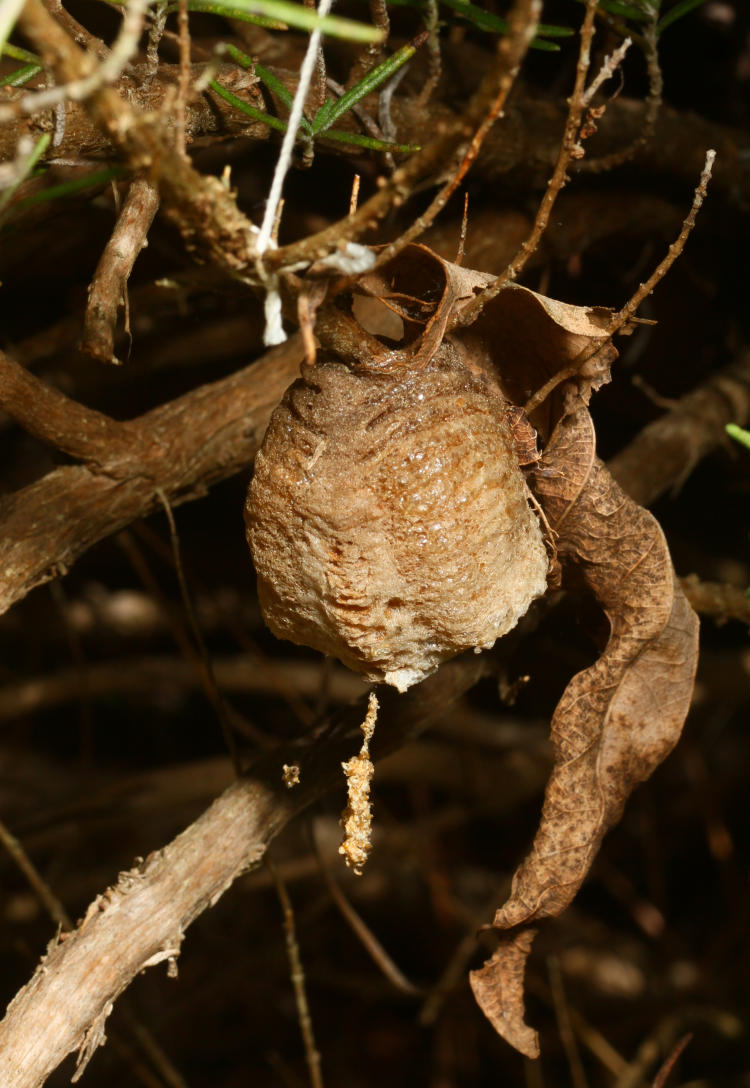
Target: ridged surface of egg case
389, 521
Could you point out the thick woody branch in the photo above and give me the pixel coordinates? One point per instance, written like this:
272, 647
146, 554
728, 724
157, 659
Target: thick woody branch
141, 921
665, 452
179, 449
107, 446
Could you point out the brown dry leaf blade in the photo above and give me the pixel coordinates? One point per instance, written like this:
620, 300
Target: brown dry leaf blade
498, 988
618, 719
519, 341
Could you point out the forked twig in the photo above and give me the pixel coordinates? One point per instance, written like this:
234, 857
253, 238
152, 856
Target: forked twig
626, 313
568, 151
649, 42
512, 51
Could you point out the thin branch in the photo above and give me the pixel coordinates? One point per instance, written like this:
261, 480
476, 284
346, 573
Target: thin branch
142, 920
108, 288
44, 893
183, 86
627, 312
649, 42
568, 150
107, 72
459, 131
80, 35
297, 974
513, 48
369, 941
212, 688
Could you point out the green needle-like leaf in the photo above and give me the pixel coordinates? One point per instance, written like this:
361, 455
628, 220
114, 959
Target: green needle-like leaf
20, 76
275, 86
70, 188
244, 107
15, 52
485, 20
216, 7
9, 12
31, 160
338, 107
365, 141
321, 120
277, 12
739, 434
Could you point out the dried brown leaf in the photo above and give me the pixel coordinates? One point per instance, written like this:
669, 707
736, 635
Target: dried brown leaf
618, 719
498, 989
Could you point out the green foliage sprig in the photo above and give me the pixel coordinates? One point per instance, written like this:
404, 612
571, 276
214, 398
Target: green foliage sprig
332, 110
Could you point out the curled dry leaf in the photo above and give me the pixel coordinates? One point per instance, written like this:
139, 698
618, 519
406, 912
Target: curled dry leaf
616, 720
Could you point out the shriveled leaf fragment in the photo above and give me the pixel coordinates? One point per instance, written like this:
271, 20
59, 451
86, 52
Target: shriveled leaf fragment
618, 719
498, 989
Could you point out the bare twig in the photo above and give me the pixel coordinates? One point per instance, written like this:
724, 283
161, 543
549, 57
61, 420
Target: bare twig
212, 688
564, 1026
297, 974
649, 41
568, 150
460, 132
661, 1077
80, 35
141, 921
369, 941
372, 54
108, 289
521, 30
183, 86
107, 72
155, 35
44, 893
432, 16
607, 70
626, 313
